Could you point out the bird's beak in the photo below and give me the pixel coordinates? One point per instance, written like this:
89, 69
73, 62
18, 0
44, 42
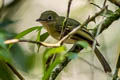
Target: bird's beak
38, 20
41, 20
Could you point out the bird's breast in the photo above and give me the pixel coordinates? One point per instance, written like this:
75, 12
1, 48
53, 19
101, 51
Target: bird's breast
52, 31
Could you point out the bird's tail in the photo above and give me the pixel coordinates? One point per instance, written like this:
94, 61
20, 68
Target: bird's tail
102, 60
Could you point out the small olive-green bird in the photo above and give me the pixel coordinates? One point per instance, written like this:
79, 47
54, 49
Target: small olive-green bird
53, 23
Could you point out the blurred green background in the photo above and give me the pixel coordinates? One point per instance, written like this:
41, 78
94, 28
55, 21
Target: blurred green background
19, 15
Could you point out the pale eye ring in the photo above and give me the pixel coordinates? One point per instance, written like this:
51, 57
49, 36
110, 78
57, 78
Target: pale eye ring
49, 17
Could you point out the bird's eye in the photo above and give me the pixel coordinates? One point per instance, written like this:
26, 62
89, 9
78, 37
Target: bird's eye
49, 17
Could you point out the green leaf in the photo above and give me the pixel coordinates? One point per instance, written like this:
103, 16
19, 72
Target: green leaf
25, 32
38, 39
44, 36
84, 44
52, 66
49, 52
41, 37
38, 36
52, 51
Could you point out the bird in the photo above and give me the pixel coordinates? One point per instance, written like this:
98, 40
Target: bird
53, 23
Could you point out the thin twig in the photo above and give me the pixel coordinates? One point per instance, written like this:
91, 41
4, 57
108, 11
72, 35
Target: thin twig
68, 10
15, 71
96, 5
65, 20
104, 3
109, 20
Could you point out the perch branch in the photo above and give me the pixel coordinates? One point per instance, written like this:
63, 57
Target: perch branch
12, 41
109, 20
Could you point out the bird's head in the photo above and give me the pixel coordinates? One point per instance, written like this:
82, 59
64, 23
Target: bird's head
47, 17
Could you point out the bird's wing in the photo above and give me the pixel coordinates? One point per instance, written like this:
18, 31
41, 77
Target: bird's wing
83, 33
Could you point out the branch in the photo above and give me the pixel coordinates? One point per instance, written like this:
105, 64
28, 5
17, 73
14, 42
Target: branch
12, 41
76, 48
109, 20
15, 71
104, 3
